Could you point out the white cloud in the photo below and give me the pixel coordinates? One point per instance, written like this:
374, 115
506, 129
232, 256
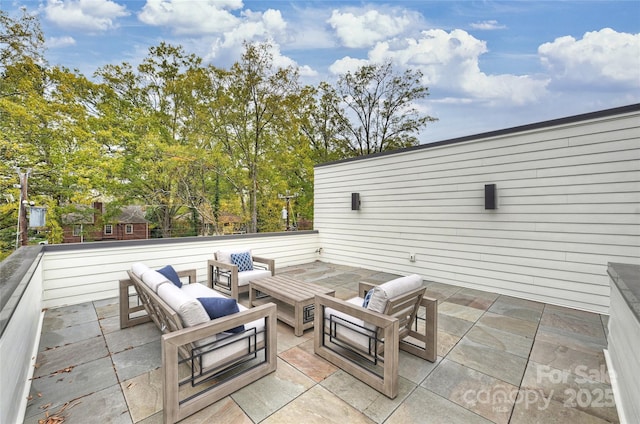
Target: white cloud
365, 29
347, 64
92, 15
487, 25
58, 42
191, 17
450, 64
599, 58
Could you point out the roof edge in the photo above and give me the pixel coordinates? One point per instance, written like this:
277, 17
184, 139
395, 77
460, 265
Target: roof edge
527, 127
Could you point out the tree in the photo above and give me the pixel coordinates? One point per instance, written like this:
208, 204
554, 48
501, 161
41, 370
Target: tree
322, 123
254, 104
45, 122
379, 109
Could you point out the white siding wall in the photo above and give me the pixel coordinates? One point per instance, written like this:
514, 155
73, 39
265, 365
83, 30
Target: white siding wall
568, 203
624, 345
18, 346
76, 276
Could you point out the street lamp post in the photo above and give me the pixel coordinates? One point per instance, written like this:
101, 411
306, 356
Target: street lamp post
285, 212
21, 234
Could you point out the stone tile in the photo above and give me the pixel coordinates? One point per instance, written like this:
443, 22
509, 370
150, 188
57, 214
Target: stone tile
415, 369
570, 312
143, 394
453, 325
481, 294
440, 291
470, 300
459, 311
104, 406
67, 316
446, 342
500, 340
365, 399
425, 407
107, 308
499, 364
473, 390
565, 353
572, 321
138, 360
570, 338
589, 390
517, 308
71, 355
109, 325
56, 389
286, 338
132, 337
54, 338
223, 411
533, 407
311, 365
317, 406
263, 397
517, 326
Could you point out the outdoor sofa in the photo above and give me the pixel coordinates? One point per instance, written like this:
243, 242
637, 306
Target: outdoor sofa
204, 357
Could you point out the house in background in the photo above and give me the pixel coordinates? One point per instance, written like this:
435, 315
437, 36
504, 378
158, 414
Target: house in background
89, 224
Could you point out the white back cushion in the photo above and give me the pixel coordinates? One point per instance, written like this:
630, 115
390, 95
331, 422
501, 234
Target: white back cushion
225, 255
138, 269
189, 309
391, 289
153, 279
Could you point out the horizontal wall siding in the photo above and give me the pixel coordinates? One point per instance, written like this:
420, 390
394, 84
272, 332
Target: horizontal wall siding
87, 274
18, 345
568, 203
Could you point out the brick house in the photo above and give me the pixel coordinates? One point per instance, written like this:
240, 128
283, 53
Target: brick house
88, 224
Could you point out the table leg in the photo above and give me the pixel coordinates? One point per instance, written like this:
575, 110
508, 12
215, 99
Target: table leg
252, 295
298, 317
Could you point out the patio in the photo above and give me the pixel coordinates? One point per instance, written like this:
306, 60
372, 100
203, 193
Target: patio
500, 359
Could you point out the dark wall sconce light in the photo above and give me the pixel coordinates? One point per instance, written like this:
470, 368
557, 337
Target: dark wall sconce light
355, 201
490, 196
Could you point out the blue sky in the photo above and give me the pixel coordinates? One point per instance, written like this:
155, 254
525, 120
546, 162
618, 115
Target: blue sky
489, 65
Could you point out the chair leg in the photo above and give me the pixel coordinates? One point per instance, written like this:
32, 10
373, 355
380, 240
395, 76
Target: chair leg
427, 338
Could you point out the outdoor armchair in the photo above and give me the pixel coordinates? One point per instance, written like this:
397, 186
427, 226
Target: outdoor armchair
365, 341
231, 270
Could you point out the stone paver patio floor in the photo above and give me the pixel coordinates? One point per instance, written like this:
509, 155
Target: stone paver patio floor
500, 360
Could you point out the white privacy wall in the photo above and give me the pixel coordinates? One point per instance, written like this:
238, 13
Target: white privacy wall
80, 273
568, 203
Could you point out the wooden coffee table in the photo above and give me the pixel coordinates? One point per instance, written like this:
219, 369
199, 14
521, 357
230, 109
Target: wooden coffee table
294, 299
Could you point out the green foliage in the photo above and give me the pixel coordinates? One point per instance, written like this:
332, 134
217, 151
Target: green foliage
205, 150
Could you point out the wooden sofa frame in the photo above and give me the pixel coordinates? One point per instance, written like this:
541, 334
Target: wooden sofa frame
216, 269
178, 342
396, 329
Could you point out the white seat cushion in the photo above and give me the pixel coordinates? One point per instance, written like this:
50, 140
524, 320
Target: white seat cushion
349, 329
245, 276
391, 289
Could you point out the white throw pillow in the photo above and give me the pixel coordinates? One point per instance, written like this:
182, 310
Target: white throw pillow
391, 289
